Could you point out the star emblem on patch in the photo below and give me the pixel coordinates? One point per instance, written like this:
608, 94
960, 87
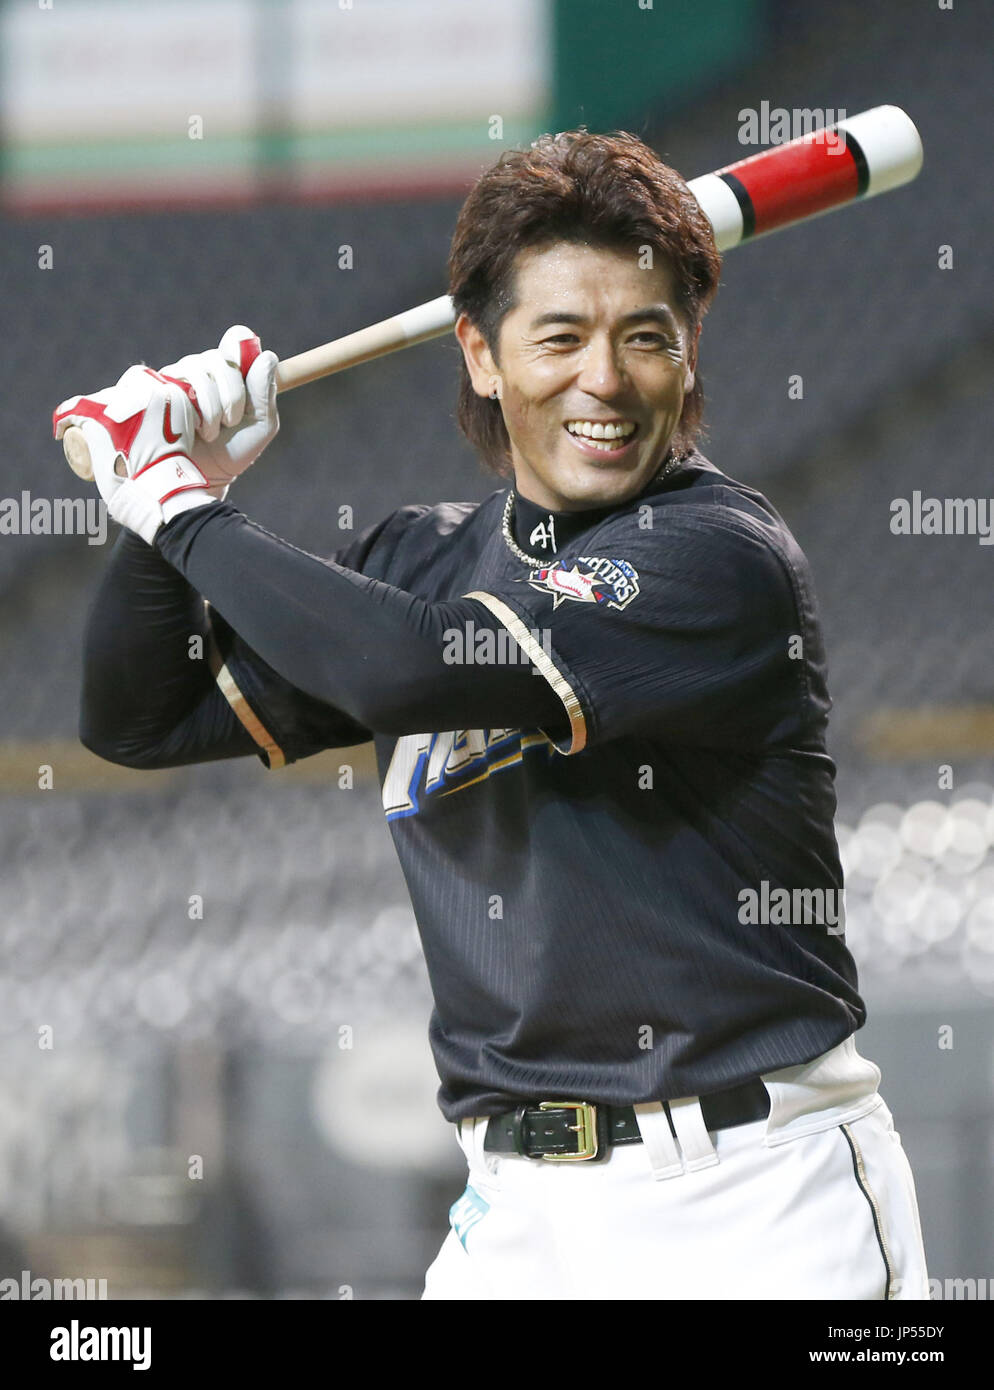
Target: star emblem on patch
589, 579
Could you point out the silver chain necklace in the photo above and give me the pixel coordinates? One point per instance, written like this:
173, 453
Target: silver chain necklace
505, 524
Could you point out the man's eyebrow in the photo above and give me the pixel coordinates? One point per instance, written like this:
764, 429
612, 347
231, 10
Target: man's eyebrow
658, 313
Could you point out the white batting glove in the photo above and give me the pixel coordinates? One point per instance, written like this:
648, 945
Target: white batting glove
140, 436
234, 388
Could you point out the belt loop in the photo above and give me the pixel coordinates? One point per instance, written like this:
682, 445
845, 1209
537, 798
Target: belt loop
461, 1135
654, 1126
695, 1141
470, 1136
479, 1135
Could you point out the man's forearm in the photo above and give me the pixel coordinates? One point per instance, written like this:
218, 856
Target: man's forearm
372, 650
149, 697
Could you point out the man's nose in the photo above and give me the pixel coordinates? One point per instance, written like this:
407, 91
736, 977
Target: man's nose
600, 374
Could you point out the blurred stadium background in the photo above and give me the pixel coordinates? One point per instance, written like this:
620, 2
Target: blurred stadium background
226, 1035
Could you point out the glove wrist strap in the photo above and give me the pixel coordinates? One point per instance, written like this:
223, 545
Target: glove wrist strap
164, 477
158, 492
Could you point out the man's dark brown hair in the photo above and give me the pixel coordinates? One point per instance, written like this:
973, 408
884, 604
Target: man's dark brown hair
606, 190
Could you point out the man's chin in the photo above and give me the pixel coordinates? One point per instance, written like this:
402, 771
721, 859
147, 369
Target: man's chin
601, 485
569, 484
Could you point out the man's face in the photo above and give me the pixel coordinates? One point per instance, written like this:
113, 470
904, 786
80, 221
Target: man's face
595, 360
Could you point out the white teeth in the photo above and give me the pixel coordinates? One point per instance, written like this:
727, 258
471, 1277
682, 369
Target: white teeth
592, 430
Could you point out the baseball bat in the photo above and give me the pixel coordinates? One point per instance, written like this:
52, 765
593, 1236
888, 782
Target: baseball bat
856, 158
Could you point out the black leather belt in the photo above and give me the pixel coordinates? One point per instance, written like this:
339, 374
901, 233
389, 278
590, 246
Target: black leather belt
571, 1130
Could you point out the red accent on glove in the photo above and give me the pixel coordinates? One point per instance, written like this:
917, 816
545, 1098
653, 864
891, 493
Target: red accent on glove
122, 432
184, 386
249, 350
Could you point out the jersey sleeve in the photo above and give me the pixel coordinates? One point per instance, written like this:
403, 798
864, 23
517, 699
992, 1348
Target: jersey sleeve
285, 723
690, 631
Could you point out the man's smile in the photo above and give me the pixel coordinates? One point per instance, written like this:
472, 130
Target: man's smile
593, 437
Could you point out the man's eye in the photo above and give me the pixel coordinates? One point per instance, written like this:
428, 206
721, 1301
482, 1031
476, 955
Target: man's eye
562, 338
652, 337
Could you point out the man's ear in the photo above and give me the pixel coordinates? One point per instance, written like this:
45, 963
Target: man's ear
479, 362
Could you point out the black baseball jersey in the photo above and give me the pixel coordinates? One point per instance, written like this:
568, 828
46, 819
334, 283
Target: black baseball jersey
634, 902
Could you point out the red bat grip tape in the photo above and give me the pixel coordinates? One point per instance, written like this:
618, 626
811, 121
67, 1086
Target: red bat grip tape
790, 182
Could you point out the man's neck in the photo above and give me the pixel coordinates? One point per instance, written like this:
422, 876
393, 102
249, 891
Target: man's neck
546, 533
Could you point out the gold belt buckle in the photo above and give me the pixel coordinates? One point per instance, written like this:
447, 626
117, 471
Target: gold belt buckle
585, 1129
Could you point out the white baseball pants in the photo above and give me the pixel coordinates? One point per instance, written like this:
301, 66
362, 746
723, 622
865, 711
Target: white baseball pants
817, 1201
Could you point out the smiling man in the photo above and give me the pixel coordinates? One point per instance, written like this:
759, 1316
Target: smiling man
658, 1096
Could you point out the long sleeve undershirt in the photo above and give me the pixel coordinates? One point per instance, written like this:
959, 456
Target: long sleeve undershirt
149, 697
370, 650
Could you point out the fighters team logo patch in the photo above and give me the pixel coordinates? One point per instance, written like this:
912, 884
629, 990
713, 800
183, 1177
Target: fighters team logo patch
590, 579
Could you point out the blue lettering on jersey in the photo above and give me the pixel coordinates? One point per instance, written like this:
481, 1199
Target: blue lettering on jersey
467, 1212
425, 765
